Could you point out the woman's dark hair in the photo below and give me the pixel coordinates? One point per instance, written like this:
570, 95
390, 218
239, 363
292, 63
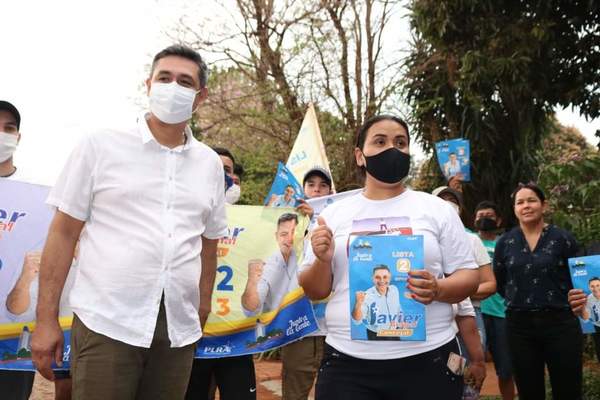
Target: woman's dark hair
531, 186
362, 131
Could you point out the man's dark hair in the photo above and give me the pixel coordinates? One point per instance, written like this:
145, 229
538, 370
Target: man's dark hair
238, 170
485, 204
182, 51
595, 278
222, 151
381, 266
287, 217
531, 186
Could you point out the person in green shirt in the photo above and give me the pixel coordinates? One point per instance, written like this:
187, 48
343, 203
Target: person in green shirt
488, 224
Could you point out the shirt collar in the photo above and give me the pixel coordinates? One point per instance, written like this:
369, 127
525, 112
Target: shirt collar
147, 136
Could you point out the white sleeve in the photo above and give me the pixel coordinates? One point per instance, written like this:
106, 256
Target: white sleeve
72, 193
465, 308
481, 255
455, 246
216, 223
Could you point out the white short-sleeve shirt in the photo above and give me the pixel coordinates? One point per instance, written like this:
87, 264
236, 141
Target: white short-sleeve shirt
446, 249
481, 257
145, 208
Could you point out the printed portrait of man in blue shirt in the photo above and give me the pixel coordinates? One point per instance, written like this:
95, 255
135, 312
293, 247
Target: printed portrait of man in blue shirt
379, 306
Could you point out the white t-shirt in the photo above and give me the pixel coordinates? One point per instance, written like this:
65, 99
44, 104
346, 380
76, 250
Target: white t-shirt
446, 249
481, 257
146, 208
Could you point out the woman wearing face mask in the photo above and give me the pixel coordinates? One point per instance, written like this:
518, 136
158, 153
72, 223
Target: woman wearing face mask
355, 369
532, 273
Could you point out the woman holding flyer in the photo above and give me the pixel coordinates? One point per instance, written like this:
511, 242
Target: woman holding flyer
432, 268
532, 273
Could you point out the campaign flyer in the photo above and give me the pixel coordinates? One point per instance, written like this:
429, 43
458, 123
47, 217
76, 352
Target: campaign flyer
454, 158
285, 190
585, 275
381, 307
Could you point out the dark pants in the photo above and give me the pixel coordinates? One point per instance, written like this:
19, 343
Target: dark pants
103, 368
418, 377
15, 385
548, 337
234, 375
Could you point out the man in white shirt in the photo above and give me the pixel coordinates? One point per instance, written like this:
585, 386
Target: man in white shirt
269, 283
151, 198
10, 123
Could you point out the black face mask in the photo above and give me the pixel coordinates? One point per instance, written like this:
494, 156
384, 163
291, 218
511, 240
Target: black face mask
486, 224
389, 166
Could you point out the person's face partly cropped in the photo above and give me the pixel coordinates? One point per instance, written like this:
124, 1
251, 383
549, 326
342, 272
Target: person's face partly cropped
595, 288
8, 123
227, 164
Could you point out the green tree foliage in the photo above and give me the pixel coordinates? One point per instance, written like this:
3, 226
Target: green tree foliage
569, 171
274, 58
492, 71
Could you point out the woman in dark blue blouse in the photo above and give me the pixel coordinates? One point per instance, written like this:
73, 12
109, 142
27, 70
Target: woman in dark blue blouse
532, 273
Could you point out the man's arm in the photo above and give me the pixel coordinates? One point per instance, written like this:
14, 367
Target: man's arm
208, 257
251, 300
19, 300
47, 341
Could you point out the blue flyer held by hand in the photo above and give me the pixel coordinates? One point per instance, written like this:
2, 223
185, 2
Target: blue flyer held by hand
585, 275
285, 191
381, 306
454, 158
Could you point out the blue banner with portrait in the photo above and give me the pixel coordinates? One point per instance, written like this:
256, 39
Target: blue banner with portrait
585, 275
285, 190
454, 158
381, 306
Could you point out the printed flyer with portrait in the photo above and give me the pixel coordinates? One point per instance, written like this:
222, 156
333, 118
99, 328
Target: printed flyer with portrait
381, 305
454, 158
585, 275
285, 190
24, 222
257, 302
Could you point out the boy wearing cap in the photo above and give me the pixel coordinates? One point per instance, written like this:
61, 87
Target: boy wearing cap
10, 123
301, 359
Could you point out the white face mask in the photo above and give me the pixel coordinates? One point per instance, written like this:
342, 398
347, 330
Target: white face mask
232, 195
8, 145
454, 206
171, 102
